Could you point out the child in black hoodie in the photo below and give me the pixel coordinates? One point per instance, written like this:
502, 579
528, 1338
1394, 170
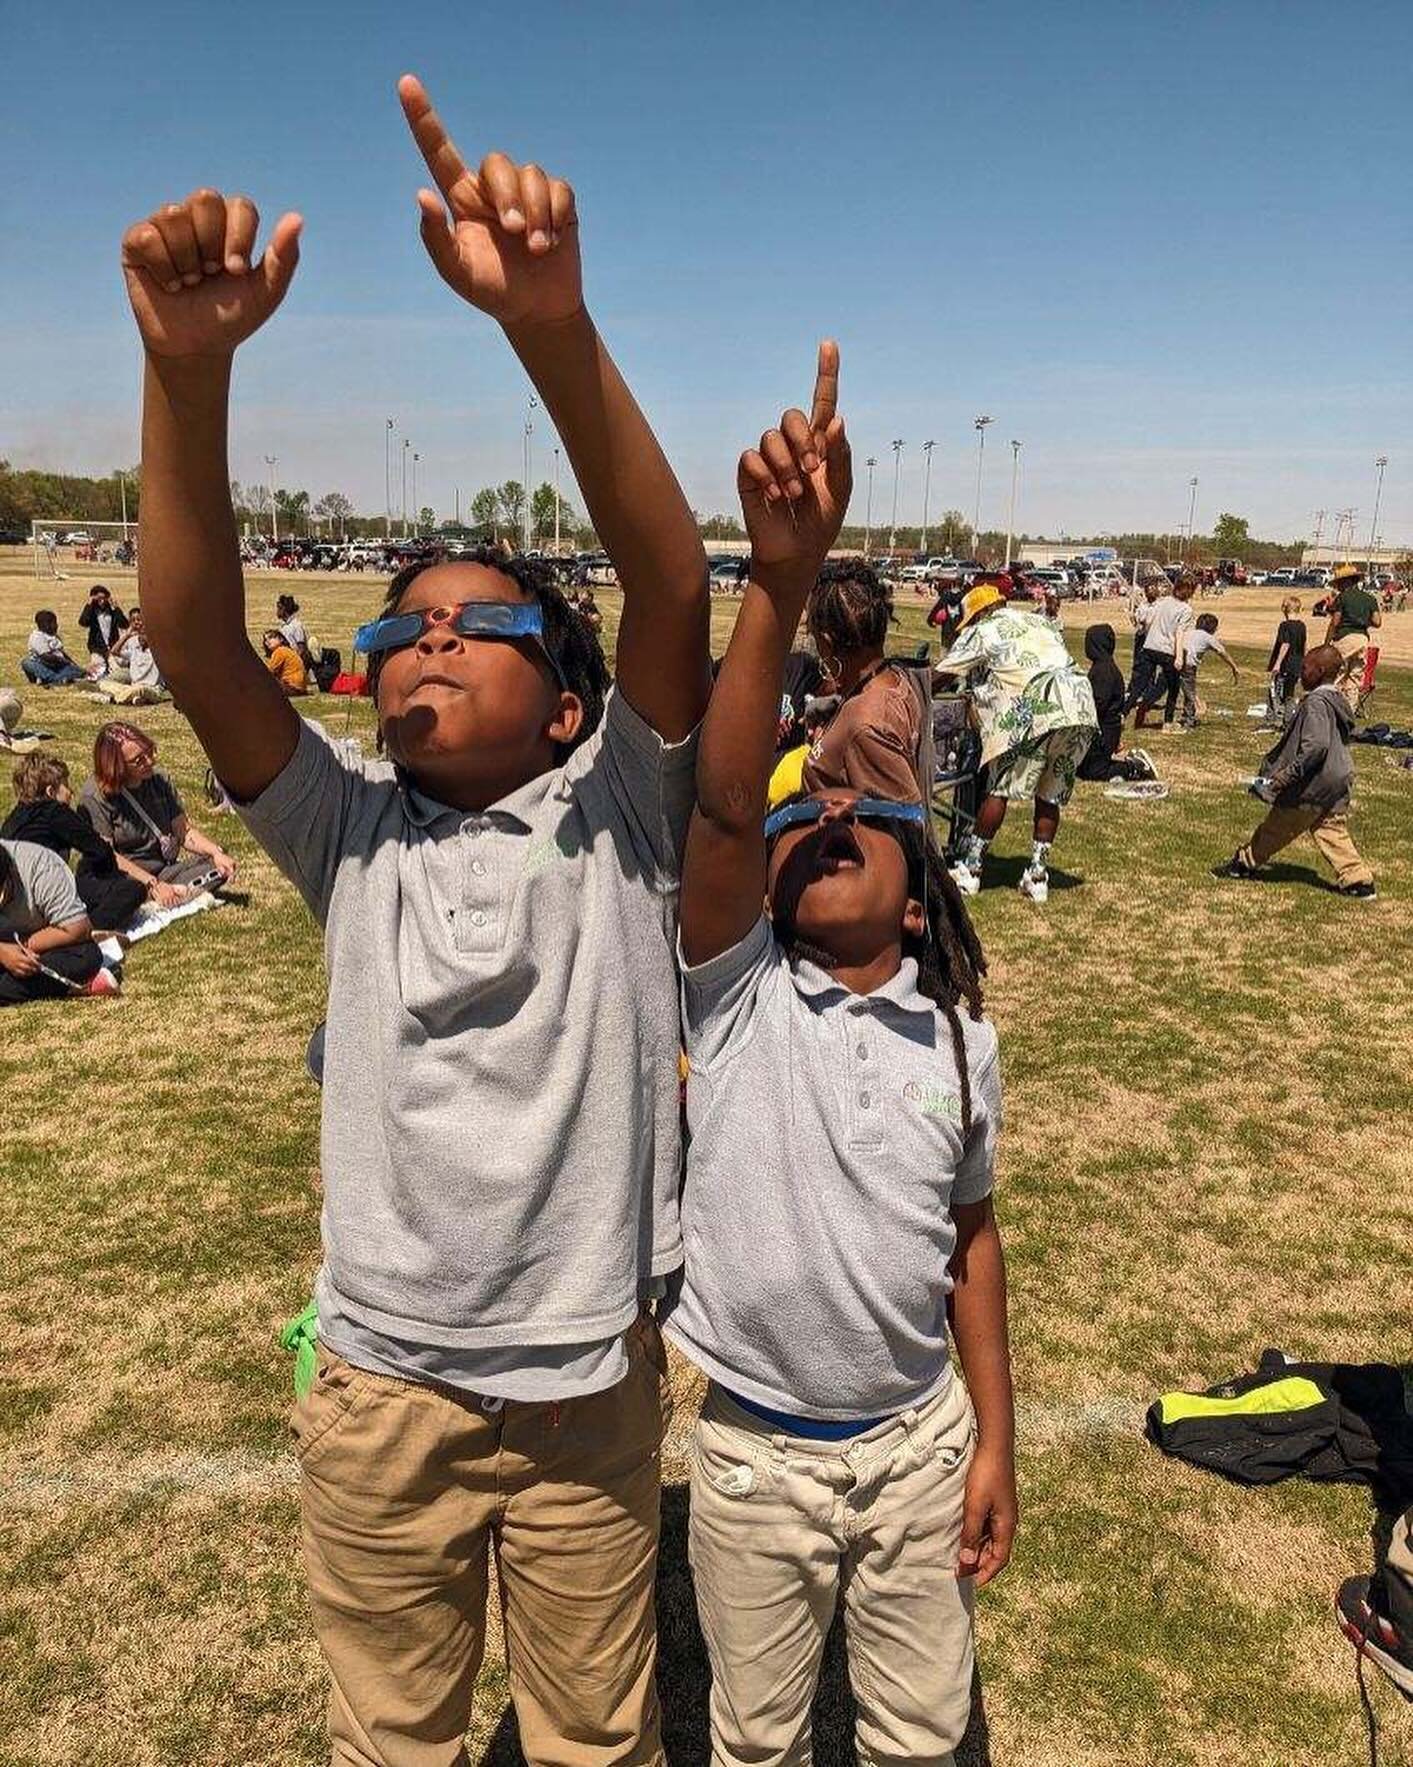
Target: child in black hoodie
1107, 683
44, 814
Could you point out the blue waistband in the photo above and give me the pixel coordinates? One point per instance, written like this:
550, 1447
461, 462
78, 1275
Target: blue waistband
813, 1429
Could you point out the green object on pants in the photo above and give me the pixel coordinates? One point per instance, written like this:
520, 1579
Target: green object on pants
301, 1338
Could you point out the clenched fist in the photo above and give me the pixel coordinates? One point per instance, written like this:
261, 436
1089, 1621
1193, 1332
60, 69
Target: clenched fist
195, 285
511, 246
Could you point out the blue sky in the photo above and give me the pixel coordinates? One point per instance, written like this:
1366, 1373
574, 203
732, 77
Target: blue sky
1153, 239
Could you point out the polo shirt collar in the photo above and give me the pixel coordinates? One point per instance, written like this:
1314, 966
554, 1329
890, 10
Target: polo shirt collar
900, 990
520, 809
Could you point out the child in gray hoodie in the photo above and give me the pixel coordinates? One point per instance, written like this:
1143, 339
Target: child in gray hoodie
1307, 780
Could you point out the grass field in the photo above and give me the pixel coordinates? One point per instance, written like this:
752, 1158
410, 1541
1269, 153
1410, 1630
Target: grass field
1205, 1153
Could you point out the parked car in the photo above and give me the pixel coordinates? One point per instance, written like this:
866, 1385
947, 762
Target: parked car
599, 572
725, 574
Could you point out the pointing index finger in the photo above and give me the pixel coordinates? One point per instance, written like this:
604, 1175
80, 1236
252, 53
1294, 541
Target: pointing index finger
826, 387
457, 185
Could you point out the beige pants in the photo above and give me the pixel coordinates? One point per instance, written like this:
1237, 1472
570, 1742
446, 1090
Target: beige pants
1351, 647
1329, 829
405, 1490
779, 1526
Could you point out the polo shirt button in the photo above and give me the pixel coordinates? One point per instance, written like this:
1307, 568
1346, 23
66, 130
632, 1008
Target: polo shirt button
478, 918
862, 1052
478, 868
865, 1100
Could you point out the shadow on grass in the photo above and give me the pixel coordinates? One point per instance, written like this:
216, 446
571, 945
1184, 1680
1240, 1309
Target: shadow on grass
1005, 874
684, 1677
1277, 873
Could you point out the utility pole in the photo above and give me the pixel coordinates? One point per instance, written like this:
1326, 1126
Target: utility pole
897, 466
1011, 512
556, 499
272, 462
979, 425
123, 494
1380, 463
927, 448
416, 507
1320, 515
387, 480
868, 517
406, 448
529, 429
1191, 517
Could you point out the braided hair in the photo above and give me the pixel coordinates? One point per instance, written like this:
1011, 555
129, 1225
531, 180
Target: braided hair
850, 607
948, 954
569, 638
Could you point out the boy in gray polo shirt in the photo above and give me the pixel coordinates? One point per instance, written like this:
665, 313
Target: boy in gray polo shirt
843, 1116
500, 1142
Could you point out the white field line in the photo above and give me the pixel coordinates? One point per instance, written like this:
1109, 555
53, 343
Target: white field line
245, 1473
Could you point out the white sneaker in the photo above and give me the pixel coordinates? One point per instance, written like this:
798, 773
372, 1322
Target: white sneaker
967, 881
1144, 759
1035, 884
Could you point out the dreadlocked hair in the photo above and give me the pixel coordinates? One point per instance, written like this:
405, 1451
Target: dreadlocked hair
950, 961
850, 607
569, 638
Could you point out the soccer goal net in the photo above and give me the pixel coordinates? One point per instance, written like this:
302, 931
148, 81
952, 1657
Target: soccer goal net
63, 541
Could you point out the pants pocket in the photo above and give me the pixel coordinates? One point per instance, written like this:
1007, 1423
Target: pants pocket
336, 1393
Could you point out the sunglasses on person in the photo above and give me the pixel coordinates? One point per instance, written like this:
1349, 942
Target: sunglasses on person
880, 812
468, 619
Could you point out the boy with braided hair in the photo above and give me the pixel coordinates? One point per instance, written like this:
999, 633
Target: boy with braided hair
843, 1099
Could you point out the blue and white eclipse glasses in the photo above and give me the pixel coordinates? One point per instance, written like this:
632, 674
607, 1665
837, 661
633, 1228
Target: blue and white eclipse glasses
861, 810
469, 619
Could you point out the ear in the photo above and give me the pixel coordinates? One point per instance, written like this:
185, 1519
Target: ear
567, 720
914, 918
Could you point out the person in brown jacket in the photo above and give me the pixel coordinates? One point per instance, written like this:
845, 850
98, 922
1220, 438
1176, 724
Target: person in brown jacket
874, 743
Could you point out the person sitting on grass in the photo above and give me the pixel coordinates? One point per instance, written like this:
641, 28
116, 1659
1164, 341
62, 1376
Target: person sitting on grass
44, 814
843, 1102
47, 951
1101, 759
1194, 646
500, 1103
1036, 714
1307, 779
104, 623
292, 628
133, 677
285, 664
140, 814
46, 663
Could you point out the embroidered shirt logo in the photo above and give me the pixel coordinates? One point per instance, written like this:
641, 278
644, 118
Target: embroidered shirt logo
934, 1101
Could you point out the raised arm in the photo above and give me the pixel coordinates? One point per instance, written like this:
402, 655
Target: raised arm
794, 490
197, 293
511, 248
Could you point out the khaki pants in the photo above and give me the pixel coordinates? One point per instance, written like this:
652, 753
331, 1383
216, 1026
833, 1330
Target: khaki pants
779, 1526
404, 1491
1329, 829
1351, 676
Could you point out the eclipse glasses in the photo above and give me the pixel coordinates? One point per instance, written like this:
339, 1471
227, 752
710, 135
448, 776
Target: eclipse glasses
468, 619
875, 810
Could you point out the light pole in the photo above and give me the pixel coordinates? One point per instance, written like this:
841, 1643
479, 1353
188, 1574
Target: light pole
927, 448
897, 467
272, 462
1191, 517
416, 508
529, 430
387, 480
1011, 511
1380, 463
556, 499
406, 449
868, 515
1319, 529
123, 494
979, 425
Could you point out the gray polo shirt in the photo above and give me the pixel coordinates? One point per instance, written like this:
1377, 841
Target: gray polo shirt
1169, 617
43, 892
500, 1140
826, 1155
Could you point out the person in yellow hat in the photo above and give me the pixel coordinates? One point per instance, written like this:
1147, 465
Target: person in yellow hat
1354, 614
1036, 714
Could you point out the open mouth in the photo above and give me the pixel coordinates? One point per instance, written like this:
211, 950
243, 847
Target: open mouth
432, 679
839, 849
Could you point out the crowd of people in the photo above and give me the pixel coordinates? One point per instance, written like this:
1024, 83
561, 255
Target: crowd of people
137, 850
563, 885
